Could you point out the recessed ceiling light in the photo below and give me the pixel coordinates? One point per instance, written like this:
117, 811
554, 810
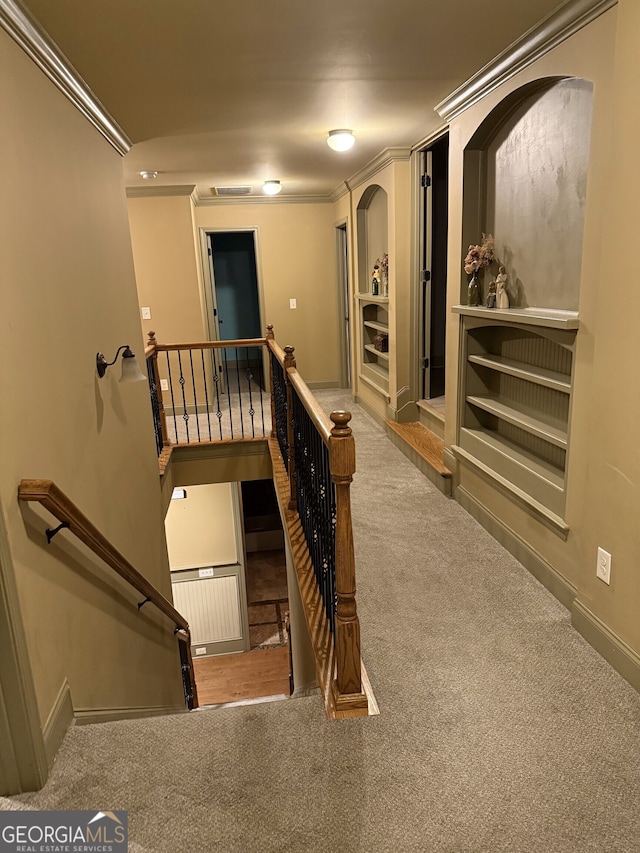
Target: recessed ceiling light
340, 140
148, 175
271, 187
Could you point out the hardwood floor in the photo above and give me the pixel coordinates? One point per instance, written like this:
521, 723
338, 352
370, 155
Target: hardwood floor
232, 678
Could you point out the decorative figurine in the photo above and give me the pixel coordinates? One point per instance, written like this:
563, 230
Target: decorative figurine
502, 297
491, 297
375, 281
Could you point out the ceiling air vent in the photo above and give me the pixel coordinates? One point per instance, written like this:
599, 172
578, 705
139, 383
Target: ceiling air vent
231, 190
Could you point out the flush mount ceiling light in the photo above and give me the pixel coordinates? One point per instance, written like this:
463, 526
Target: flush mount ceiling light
271, 187
341, 140
148, 175
130, 370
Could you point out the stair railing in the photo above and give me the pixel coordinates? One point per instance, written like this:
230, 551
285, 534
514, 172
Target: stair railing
314, 463
207, 392
70, 517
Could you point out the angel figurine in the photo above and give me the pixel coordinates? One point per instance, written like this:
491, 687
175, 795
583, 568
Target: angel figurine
502, 297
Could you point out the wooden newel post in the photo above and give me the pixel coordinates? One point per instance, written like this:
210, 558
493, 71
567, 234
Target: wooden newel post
156, 378
290, 362
342, 460
271, 337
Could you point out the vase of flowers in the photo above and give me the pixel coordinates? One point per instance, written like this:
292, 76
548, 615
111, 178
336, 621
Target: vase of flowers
478, 258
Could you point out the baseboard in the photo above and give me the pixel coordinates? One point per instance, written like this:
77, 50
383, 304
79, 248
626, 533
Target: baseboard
613, 649
84, 717
558, 585
377, 417
450, 461
59, 719
324, 385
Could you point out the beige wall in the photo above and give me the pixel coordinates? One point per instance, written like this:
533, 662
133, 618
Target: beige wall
603, 505
69, 291
296, 247
201, 528
166, 266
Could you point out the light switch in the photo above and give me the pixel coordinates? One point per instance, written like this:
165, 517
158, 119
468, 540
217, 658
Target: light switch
146, 313
164, 385
292, 303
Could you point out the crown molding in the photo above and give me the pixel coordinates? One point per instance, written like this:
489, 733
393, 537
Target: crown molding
540, 39
383, 159
207, 201
165, 191
339, 191
25, 30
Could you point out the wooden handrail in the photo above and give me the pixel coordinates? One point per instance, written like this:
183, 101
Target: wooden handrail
275, 348
314, 409
58, 504
54, 499
247, 342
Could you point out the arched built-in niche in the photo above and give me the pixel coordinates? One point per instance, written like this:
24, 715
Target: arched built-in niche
525, 178
373, 230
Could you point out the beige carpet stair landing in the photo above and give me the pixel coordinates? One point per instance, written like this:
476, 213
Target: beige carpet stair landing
424, 449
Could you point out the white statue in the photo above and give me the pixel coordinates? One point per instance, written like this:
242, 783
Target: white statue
502, 297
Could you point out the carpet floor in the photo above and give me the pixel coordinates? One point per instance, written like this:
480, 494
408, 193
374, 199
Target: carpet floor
500, 729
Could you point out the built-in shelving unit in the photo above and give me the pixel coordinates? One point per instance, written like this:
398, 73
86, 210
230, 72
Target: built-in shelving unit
374, 323
515, 400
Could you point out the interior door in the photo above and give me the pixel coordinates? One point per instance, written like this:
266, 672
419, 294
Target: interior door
434, 214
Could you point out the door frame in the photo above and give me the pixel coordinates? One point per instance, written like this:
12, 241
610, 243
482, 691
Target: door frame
344, 306
417, 236
209, 304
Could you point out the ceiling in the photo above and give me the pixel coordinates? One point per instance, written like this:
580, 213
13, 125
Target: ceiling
240, 91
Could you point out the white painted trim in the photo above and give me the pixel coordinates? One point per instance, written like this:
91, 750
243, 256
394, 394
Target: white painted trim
25, 30
24, 760
157, 191
607, 643
59, 719
381, 161
537, 41
109, 715
206, 201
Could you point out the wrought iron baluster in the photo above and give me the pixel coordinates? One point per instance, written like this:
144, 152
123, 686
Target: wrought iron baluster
182, 381
195, 395
173, 402
216, 382
206, 395
239, 393
226, 373
251, 409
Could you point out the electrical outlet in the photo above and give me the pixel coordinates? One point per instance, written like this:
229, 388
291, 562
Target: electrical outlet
164, 385
205, 573
603, 569
293, 303
202, 650
146, 313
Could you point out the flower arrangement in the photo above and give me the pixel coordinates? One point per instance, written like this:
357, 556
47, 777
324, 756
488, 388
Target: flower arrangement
479, 257
383, 265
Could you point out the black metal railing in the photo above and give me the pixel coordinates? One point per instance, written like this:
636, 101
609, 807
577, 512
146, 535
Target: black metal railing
316, 499
155, 404
213, 394
280, 407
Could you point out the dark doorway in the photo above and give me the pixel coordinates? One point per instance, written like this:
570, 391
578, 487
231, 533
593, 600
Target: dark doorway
435, 209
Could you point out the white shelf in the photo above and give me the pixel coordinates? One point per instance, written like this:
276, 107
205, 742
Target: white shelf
550, 430
540, 468
548, 317
380, 371
521, 370
379, 327
383, 355
367, 297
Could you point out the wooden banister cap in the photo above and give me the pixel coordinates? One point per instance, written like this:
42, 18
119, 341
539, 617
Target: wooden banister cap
341, 423
152, 337
270, 331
